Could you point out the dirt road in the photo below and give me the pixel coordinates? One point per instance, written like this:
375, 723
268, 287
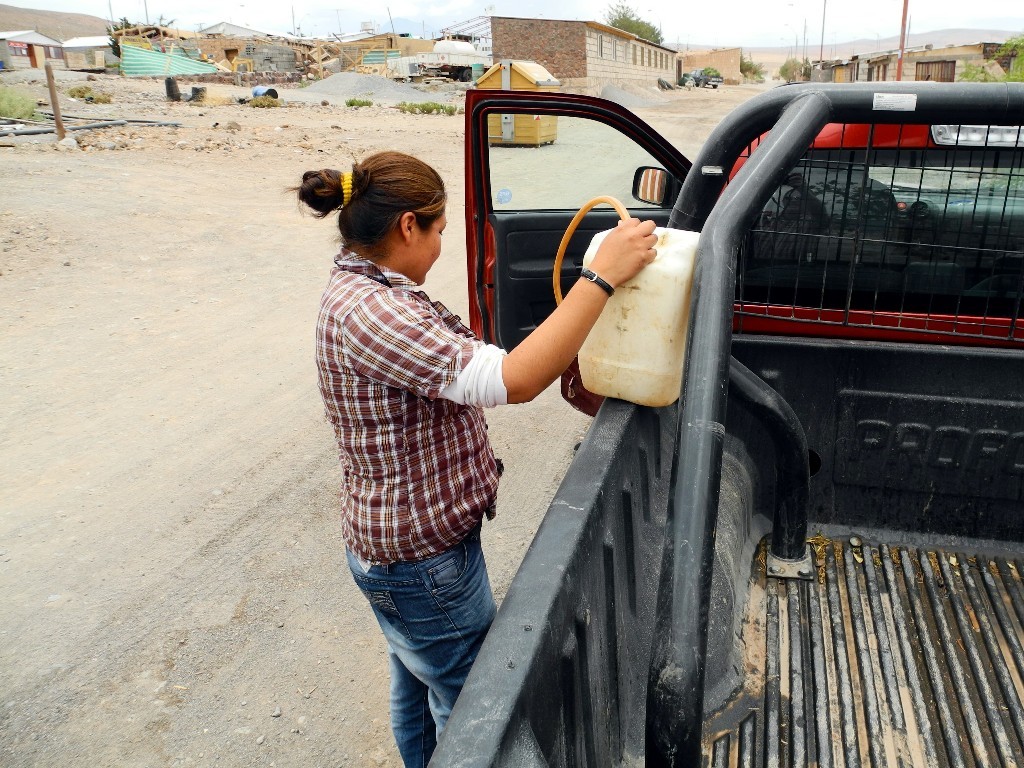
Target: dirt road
173, 581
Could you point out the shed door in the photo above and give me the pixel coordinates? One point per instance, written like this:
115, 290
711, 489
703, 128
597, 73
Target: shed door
936, 71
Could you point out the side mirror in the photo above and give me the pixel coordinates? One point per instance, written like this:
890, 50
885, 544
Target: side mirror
655, 186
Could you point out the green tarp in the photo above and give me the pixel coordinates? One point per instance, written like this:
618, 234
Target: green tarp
142, 61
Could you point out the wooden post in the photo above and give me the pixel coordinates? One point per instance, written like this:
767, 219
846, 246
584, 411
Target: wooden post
54, 104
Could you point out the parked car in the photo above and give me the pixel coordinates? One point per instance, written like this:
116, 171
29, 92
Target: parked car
704, 77
814, 557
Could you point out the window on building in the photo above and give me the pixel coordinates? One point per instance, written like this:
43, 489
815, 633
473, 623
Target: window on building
634, 54
18, 49
52, 52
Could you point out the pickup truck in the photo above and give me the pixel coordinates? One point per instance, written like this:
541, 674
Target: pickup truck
702, 78
816, 555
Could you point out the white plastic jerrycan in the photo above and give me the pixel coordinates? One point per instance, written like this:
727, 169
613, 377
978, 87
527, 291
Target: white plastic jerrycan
636, 350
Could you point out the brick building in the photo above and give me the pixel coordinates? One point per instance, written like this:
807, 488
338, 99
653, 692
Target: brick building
583, 55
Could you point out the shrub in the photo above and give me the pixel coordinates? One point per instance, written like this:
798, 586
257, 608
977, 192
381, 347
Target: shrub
16, 105
751, 70
358, 103
88, 94
977, 73
264, 102
427, 108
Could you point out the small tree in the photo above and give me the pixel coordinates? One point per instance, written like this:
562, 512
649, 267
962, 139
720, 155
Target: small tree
115, 45
751, 70
622, 16
1012, 49
977, 73
791, 70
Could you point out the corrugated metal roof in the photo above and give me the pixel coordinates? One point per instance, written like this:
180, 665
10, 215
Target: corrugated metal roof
28, 36
96, 41
140, 61
228, 29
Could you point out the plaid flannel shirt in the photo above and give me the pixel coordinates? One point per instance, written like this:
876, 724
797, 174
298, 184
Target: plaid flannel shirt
418, 472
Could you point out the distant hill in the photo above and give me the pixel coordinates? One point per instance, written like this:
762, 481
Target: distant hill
939, 39
59, 26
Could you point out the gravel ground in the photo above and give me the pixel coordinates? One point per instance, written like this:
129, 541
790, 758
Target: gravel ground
174, 583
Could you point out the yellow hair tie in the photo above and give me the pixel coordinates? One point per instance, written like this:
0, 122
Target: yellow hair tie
346, 188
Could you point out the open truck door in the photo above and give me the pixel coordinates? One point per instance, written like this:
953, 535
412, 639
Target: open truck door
522, 191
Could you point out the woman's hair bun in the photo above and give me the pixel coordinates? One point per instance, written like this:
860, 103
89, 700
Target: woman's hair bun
322, 191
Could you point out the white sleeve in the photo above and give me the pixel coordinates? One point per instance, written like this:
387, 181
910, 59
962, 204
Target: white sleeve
480, 383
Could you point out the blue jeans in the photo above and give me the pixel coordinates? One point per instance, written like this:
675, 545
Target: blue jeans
434, 614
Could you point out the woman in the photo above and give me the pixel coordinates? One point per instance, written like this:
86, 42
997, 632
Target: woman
404, 383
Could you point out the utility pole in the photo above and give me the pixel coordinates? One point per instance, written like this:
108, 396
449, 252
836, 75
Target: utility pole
821, 51
903, 42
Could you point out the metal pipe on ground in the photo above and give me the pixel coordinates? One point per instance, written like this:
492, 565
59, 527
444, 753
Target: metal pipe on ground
139, 120
52, 129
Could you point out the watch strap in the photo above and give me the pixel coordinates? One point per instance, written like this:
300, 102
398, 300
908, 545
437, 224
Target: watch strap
595, 278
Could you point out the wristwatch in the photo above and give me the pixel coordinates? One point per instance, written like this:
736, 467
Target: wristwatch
595, 278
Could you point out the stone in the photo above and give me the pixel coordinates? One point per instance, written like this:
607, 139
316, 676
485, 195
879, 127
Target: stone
68, 144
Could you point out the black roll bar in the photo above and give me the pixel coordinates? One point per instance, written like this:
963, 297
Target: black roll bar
792, 473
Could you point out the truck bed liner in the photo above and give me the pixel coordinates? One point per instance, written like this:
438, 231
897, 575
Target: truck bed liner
891, 656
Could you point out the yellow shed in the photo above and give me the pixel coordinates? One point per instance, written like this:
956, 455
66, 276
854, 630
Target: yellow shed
520, 130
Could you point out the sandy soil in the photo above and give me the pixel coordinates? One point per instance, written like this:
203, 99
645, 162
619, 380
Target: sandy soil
174, 589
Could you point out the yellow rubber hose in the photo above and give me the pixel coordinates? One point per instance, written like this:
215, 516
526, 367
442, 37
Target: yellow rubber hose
556, 276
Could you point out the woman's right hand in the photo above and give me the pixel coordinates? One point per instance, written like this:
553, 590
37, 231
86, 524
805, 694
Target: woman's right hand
625, 251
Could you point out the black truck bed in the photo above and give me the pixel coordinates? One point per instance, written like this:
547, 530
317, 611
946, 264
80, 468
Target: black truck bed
890, 655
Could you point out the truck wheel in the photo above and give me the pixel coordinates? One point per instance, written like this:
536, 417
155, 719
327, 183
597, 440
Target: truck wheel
715, 86
466, 75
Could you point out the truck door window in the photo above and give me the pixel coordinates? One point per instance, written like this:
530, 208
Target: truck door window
586, 159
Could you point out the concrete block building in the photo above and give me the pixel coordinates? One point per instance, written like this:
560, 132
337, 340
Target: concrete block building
922, 63
27, 49
584, 56
89, 53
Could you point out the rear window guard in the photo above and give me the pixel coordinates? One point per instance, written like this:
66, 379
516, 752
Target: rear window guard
927, 239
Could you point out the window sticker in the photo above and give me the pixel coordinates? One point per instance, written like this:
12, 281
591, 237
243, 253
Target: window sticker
895, 102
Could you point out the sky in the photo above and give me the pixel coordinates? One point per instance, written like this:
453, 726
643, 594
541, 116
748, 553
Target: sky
753, 23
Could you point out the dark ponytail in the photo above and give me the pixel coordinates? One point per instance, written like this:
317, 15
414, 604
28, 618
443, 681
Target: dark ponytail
384, 186
321, 191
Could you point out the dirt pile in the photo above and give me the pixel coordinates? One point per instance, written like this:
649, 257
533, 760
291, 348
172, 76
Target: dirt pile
379, 90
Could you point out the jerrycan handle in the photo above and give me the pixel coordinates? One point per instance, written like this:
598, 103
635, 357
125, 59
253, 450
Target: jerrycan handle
556, 275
